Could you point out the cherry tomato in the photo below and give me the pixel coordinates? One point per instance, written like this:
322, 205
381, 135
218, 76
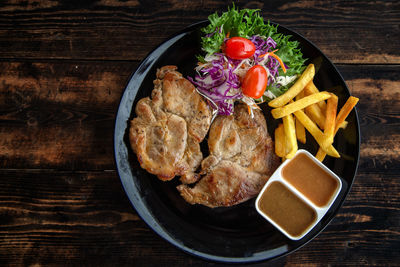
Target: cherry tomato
239, 48
255, 82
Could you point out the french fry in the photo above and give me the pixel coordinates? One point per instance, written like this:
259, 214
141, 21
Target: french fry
300, 130
290, 134
287, 146
343, 125
280, 142
330, 122
313, 89
296, 88
320, 155
299, 95
314, 111
316, 133
281, 112
344, 112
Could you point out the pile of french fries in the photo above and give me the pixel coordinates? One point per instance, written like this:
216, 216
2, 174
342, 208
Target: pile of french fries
303, 107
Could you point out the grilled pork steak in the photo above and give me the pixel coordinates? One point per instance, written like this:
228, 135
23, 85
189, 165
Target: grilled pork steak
168, 128
166, 136
241, 161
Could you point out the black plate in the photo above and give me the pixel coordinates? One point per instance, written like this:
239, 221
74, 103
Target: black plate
238, 233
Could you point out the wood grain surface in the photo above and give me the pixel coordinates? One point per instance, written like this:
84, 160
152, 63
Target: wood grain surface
63, 68
347, 31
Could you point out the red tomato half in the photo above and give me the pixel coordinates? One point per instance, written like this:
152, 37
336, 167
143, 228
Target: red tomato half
255, 82
239, 48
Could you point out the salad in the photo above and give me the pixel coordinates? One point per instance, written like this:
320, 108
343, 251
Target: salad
245, 59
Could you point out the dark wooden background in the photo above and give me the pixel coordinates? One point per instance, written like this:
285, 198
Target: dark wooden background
63, 69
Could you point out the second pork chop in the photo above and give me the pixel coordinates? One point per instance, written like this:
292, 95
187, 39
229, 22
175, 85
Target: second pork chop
241, 161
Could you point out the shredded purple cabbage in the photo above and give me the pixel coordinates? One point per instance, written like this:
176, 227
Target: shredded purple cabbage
221, 85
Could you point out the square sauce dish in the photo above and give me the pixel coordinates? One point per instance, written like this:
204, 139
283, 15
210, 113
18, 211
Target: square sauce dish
298, 194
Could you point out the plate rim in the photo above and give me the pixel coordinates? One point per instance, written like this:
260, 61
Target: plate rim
156, 228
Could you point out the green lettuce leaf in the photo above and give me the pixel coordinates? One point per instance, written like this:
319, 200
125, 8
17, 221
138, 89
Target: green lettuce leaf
247, 23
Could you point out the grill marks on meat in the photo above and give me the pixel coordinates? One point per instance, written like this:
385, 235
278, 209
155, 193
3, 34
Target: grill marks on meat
240, 163
168, 128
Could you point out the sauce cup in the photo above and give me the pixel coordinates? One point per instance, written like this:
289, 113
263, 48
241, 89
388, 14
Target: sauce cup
294, 207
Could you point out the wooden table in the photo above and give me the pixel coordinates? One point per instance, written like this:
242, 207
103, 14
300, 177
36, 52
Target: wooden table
63, 68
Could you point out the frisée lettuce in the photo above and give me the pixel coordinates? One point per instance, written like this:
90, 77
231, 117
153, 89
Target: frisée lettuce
219, 76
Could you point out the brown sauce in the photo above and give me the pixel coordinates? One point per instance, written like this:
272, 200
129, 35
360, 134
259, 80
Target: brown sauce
310, 179
286, 209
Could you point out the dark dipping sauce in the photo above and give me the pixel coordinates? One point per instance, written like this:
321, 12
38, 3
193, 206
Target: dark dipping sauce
310, 179
286, 209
